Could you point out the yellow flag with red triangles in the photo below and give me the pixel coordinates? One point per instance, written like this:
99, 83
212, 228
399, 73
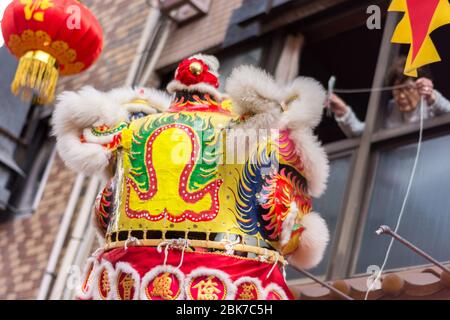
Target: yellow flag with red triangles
421, 18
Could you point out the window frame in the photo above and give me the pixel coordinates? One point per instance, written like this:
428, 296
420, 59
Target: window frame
363, 172
27, 155
432, 130
339, 222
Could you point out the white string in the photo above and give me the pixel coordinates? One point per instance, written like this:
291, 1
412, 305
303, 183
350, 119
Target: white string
180, 244
265, 256
284, 269
166, 254
368, 90
229, 247
97, 252
131, 240
405, 200
274, 265
185, 246
166, 250
332, 90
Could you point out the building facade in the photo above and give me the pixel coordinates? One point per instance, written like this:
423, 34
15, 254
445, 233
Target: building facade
41, 250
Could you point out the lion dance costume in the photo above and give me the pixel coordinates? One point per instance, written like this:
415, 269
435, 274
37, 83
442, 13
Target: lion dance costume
208, 194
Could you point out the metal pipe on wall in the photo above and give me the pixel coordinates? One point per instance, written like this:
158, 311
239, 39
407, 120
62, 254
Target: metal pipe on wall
166, 30
61, 236
81, 257
149, 29
76, 237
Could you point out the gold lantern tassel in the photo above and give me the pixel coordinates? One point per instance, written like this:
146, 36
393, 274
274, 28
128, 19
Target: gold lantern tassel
36, 77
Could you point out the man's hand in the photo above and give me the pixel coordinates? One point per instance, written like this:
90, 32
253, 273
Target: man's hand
426, 89
338, 106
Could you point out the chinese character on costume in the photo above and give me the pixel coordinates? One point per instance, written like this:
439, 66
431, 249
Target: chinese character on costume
207, 195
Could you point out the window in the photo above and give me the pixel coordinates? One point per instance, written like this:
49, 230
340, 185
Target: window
378, 188
12, 120
25, 147
366, 190
36, 160
427, 216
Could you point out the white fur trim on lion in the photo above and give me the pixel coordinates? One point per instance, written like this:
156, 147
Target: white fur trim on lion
111, 280
83, 109
304, 100
312, 242
276, 288
135, 106
254, 91
123, 267
256, 282
146, 100
76, 111
86, 158
88, 277
314, 158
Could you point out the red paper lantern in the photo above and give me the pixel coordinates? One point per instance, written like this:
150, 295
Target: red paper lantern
49, 37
